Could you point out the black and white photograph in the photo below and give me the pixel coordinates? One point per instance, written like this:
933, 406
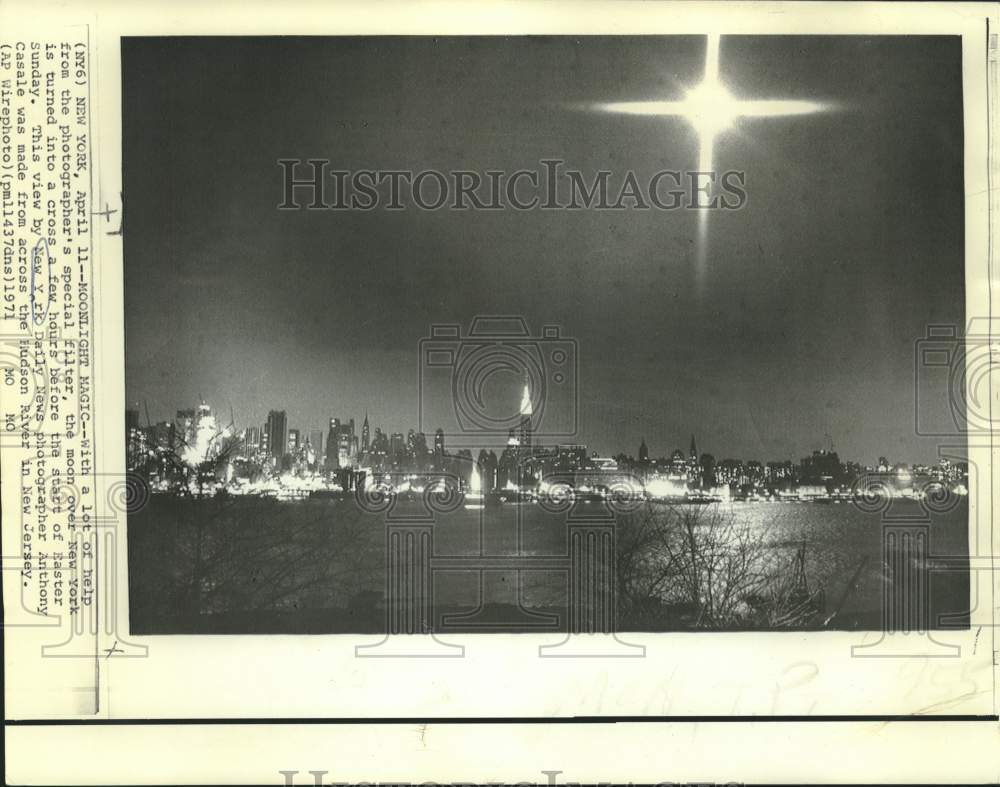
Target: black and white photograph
545, 333
491, 392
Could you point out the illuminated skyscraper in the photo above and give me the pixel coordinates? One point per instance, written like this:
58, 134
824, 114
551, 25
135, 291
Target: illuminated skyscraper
524, 428
251, 441
348, 445
365, 435
133, 440
380, 443
185, 421
341, 444
678, 465
331, 444
694, 466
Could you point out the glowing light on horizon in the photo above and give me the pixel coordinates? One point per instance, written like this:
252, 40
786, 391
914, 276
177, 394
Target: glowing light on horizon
662, 487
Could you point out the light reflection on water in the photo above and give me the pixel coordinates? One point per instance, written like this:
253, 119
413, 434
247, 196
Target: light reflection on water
842, 543
843, 558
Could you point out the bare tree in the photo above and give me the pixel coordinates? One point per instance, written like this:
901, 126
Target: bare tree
192, 555
697, 566
644, 571
275, 556
224, 556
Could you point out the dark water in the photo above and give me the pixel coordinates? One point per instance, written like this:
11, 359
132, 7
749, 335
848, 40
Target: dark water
843, 552
321, 566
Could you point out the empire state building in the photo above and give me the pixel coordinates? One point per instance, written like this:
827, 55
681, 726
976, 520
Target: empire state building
524, 428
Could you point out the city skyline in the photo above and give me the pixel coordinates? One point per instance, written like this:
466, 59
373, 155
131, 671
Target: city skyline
641, 333
806, 330
365, 430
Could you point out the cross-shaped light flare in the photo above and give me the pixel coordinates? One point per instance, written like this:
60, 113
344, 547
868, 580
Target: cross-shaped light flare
711, 109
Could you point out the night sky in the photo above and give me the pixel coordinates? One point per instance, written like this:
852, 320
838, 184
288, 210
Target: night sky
814, 293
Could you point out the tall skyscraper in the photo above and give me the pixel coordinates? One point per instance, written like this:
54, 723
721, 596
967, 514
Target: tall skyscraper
419, 450
348, 446
277, 434
331, 444
185, 423
132, 438
341, 444
184, 433
251, 441
524, 428
135, 440
365, 435
163, 435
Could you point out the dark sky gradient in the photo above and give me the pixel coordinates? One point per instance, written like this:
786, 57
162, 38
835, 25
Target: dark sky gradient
850, 244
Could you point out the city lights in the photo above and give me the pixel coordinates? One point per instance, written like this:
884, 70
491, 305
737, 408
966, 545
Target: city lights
196, 456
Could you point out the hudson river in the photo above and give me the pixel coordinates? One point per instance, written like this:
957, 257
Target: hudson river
247, 565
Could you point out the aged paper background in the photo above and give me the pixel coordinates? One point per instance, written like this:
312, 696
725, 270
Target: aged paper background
500, 676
